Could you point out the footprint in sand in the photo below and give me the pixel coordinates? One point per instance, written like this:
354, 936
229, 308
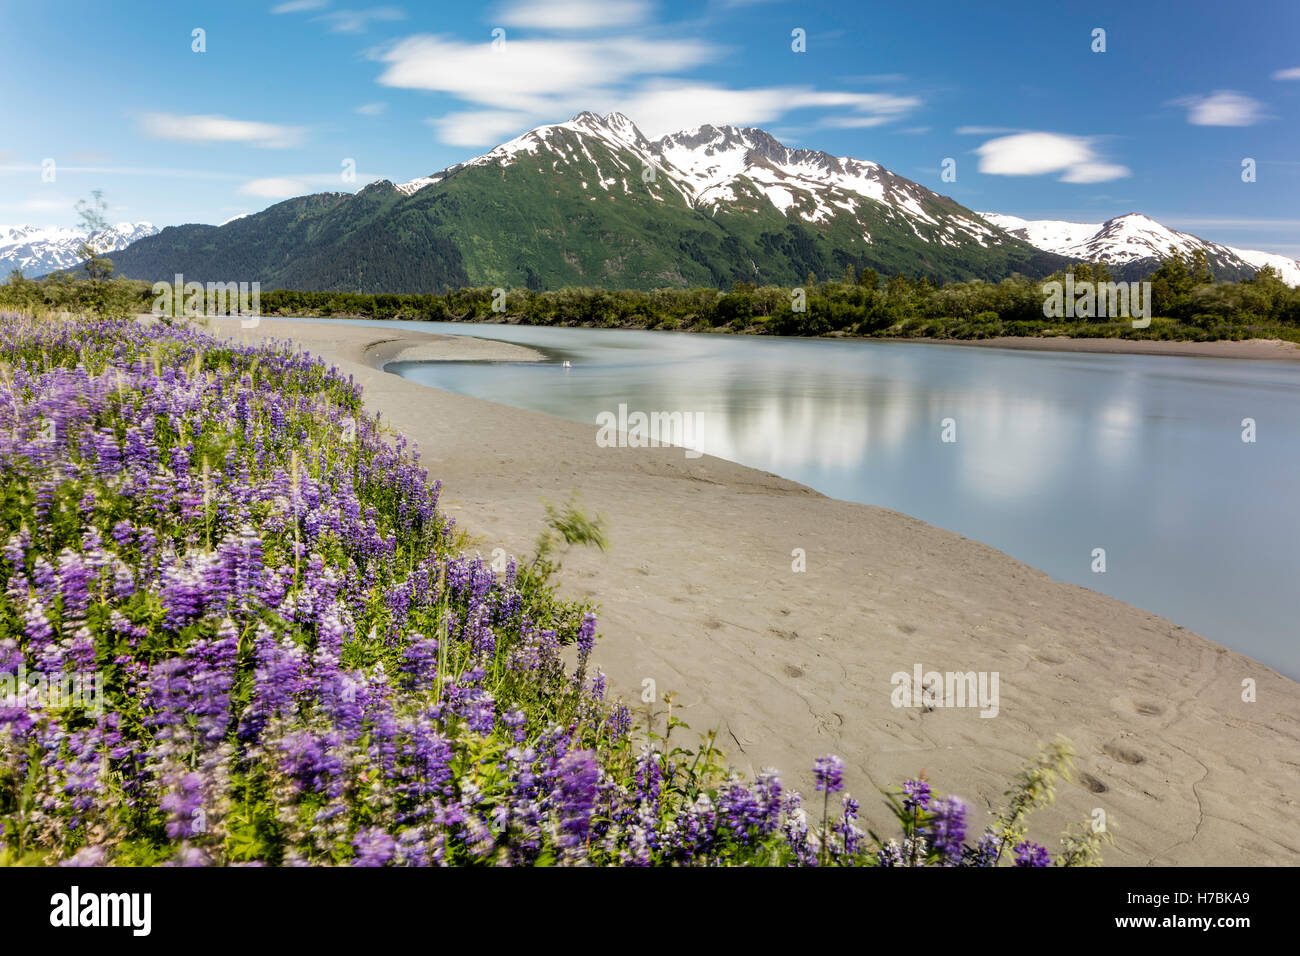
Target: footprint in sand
1092, 783
828, 722
1122, 752
1142, 708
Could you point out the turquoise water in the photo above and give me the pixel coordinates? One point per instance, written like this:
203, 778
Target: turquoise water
1055, 455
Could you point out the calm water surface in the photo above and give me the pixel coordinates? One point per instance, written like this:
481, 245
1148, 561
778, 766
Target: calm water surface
1056, 454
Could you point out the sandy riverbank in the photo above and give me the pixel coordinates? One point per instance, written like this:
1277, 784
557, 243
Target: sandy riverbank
698, 594
444, 348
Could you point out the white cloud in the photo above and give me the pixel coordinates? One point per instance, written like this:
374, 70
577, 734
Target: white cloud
1291, 74
508, 88
300, 184
855, 122
983, 130
298, 6
1094, 173
1222, 108
358, 21
663, 106
371, 109
1034, 154
574, 14
220, 129
480, 127
666, 107
48, 204
274, 187
525, 74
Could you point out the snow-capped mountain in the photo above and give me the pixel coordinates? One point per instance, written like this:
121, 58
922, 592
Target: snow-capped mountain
717, 166
594, 202
37, 250
1135, 240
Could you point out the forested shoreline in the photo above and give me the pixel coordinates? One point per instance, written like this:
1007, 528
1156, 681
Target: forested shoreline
1187, 304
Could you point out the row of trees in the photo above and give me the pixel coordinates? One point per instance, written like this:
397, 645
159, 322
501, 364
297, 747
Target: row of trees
1182, 290
1184, 295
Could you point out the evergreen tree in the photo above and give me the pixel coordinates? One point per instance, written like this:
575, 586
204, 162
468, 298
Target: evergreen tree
1170, 284
1199, 269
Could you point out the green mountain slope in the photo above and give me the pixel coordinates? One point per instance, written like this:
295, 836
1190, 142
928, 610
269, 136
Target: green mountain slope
593, 203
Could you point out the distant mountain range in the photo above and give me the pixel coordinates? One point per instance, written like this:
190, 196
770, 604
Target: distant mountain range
1132, 246
593, 202
38, 250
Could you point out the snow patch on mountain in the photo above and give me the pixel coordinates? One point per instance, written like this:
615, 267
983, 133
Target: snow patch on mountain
1288, 269
712, 166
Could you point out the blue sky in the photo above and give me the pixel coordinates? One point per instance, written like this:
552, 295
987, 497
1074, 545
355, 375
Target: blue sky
1038, 124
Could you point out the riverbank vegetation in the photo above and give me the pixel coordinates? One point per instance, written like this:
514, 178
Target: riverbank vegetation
1187, 304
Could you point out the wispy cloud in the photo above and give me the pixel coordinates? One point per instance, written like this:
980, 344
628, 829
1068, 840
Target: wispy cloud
480, 127
1222, 108
47, 204
874, 78
299, 6
220, 129
529, 74
574, 14
665, 107
286, 187
1291, 74
358, 21
1036, 154
152, 171
274, 187
370, 109
984, 130
527, 82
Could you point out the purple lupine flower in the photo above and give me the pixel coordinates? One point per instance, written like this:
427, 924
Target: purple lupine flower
311, 762
517, 722
850, 835
87, 856
375, 847
421, 662
891, 854
916, 795
985, 853
829, 773
1029, 853
739, 813
576, 798
619, 722
586, 639
947, 828
184, 806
